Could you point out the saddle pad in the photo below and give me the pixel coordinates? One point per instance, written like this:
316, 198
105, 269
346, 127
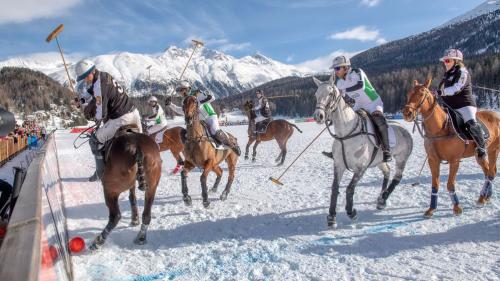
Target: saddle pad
392, 135
460, 128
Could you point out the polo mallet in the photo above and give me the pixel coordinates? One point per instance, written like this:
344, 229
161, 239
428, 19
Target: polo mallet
53, 35
419, 173
196, 43
277, 181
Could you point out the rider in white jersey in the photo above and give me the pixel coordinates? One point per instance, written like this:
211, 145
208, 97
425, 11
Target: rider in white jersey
360, 94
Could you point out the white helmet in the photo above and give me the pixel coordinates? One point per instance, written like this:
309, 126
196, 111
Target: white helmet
83, 69
454, 54
340, 61
153, 99
182, 85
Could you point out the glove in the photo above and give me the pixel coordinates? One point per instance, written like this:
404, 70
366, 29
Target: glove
168, 101
437, 92
350, 101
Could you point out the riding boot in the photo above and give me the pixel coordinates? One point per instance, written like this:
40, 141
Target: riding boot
477, 134
99, 160
221, 137
382, 128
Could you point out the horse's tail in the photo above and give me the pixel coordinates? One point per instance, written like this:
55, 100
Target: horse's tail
139, 159
295, 126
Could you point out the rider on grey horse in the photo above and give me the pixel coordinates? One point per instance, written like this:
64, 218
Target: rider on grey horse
264, 112
114, 108
360, 94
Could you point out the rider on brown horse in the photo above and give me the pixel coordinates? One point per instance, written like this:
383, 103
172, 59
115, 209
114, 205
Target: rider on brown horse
456, 92
360, 94
264, 112
156, 120
206, 113
113, 108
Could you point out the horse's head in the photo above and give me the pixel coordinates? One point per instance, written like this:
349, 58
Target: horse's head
190, 108
327, 99
90, 109
248, 108
419, 100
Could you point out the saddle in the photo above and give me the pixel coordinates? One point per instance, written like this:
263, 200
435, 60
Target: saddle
459, 125
216, 144
261, 127
369, 129
123, 130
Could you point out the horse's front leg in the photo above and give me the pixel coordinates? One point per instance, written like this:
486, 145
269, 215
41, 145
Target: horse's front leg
114, 218
434, 164
254, 154
386, 171
185, 195
351, 212
203, 179
338, 172
133, 205
247, 148
457, 210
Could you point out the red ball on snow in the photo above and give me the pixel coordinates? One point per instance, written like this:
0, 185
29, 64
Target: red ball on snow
76, 244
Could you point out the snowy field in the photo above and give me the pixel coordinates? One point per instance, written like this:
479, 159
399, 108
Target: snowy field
269, 232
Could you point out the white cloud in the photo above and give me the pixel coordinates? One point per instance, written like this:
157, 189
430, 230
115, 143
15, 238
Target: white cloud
370, 3
361, 33
234, 47
19, 11
290, 58
322, 64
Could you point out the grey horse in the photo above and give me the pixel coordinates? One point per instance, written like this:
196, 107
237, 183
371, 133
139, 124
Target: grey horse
355, 149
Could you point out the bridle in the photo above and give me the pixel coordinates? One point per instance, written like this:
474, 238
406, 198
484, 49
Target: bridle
416, 110
189, 120
331, 104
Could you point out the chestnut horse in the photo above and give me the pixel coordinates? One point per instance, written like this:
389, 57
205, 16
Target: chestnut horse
280, 130
442, 144
199, 152
171, 141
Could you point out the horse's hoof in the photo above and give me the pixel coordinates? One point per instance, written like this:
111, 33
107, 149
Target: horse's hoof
457, 210
223, 196
253, 159
381, 203
353, 215
246, 157
206, 204
331, 221
213, 190
428, 214
140, 240
135, 222
482, 201
97, 243
187, 200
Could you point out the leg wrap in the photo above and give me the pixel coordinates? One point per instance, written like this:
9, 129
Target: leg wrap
434, 198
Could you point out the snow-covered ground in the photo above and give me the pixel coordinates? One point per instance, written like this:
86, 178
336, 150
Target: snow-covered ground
269, 232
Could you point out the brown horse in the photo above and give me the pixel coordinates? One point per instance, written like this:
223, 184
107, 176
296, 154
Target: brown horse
199, 152
131, 156
172, 141
280, 130
442, 144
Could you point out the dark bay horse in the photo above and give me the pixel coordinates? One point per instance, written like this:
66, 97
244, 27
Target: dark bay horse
280, 130
442, 144
199, 152
171, 141
130, 156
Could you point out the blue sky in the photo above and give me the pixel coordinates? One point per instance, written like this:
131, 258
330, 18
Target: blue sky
289, 31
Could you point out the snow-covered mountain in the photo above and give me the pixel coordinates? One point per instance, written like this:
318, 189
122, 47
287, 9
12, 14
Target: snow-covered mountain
476, 32
484, 8
221, 73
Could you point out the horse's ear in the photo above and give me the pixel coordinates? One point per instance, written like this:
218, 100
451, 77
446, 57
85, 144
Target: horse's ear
316, 81
331, 80
428, 82
415, 83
